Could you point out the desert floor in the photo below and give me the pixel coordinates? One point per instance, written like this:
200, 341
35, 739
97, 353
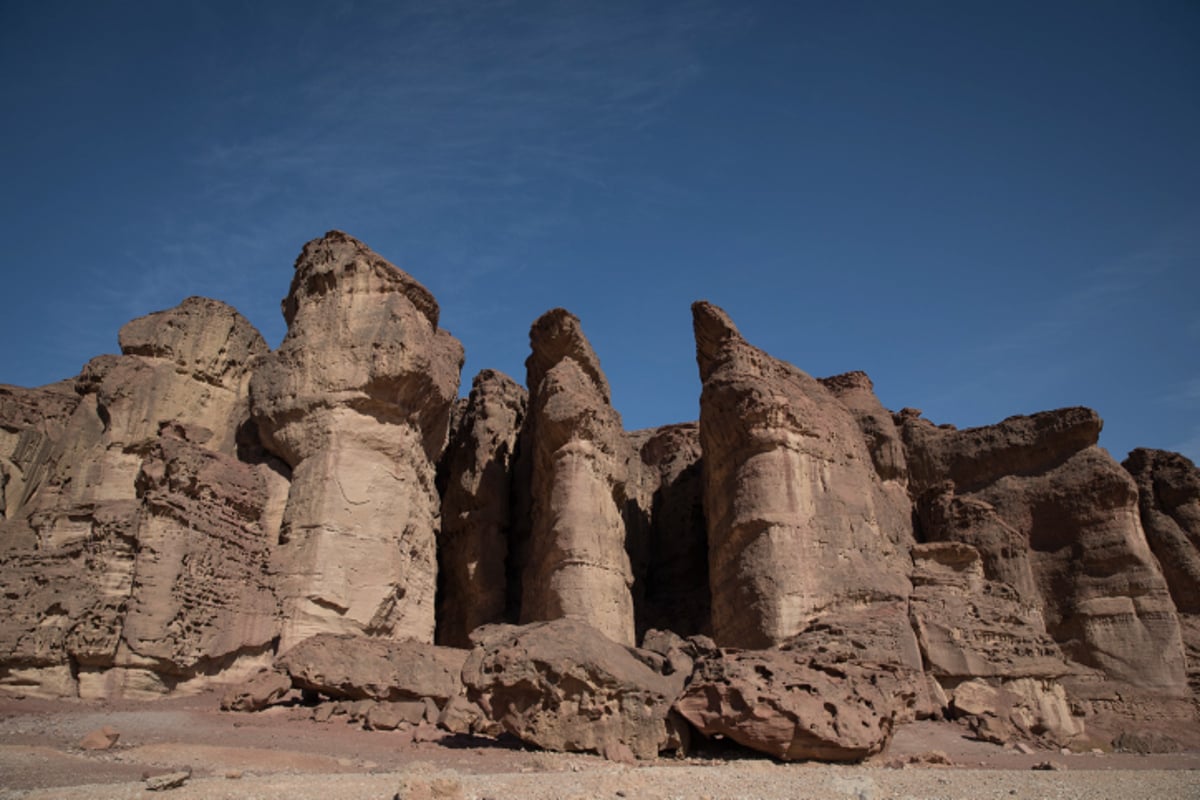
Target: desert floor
282, 753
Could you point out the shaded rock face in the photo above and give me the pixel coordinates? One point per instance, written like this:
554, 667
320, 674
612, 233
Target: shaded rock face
667, 539
833, 692
798, 518
563, 685
361, 432
1169, 503
76, 531
576, 563
1056, 518
476, 508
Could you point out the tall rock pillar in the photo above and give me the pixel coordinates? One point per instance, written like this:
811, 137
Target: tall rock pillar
357, 401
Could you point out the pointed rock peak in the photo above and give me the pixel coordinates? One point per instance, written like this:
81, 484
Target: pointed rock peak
714, 332
556, 335
337, 262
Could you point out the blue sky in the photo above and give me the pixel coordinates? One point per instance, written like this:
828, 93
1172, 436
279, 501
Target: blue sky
992, 208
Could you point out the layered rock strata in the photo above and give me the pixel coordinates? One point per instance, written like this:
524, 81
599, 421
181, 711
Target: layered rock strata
577, 565
356, 400
1057, 519
798, 517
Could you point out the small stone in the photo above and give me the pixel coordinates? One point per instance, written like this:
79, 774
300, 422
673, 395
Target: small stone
100, 739
172, 780
1048, 765
233, 775
1021, 747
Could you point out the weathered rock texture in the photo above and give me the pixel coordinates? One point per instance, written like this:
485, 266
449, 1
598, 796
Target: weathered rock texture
577, 565
798, 517
356, 400
199, 510
477, 508
563, 685
1053, 516
667, 539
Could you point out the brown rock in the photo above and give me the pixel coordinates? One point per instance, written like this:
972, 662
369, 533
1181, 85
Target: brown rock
1169, 503
1037, 498
357, 401
264, 689
969, 626
1025, 708
798, 518
563, 685
576, 563
100, 739
476, 508
357, 668
667, 538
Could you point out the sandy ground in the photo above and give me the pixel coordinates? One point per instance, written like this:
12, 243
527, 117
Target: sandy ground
282, 753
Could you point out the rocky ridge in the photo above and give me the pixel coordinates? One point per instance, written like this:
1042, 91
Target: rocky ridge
803, 570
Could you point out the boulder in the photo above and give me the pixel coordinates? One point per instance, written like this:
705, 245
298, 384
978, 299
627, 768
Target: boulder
798, 517
476, 508
347, 667
563, 685
262, 690
834, 692
356, 400
576, 563
1025, 708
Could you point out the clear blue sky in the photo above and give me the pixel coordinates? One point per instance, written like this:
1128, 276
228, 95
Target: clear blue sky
991, 207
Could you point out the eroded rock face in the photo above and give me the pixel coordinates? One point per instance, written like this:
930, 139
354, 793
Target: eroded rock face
1047, 508
356, 400
834, 692
347, 667
798, 518
1169, 502
477, 508
76, 528
667, 538
563, 685
576, 564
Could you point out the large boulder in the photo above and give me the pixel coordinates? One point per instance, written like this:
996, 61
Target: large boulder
356, 400
563, 685
799, 519
833, 692
576, 563
1056, 518
347, 667
476, 508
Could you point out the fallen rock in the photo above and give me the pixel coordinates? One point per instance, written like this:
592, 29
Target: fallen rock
1145, 742
346, 667
562, 685
171, 780
100, 739
1029, 709
264, 689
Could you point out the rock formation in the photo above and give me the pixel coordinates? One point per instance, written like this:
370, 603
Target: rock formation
356, 400
1054, 516
577, 565
477, 508
798, 518
308, 521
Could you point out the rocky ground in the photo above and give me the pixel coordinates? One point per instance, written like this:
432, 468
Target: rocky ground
283, 753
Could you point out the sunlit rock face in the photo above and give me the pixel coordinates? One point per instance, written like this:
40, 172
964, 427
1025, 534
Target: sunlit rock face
1056, 518
799, 520
576, 563
356, 400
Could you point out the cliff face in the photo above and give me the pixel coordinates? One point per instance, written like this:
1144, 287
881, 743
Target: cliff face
189, 510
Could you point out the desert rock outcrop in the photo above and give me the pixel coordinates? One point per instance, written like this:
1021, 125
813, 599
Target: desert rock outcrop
577, 564
356, 400
477, 508
798, 518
